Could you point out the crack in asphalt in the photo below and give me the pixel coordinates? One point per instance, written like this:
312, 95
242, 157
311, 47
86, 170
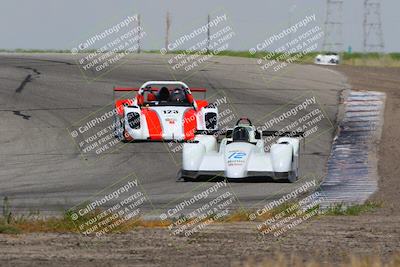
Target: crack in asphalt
29, 68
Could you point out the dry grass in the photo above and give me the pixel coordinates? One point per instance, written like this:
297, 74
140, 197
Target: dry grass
65, 225
384, 61
10, 224
281, 260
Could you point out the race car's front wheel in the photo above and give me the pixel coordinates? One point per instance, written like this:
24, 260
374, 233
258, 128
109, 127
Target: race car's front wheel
182, 178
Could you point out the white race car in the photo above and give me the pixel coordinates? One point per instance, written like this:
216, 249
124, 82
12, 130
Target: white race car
329, 58
162, 110
241, 154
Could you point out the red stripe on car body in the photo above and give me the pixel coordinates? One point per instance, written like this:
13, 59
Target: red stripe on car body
153, 124
189, 124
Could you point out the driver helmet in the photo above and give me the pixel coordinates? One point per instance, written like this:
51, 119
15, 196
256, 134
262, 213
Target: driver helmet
177, 95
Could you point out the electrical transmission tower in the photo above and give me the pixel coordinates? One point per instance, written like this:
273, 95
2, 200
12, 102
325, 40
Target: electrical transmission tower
373, 35
139, 33
333, 26
208, 33
167, 26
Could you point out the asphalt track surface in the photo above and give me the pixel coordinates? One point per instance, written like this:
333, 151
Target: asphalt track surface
41, 95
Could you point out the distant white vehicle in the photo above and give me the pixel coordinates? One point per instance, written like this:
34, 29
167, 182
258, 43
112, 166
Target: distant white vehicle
241, 155
327, 59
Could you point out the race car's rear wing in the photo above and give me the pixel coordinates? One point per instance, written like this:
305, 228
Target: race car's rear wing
209, 132
131, 89
286, 134
283, 134
273, 133
125, 89
128, 89
198, 89
228, 133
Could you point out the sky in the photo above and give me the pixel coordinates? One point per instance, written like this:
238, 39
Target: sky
62, 24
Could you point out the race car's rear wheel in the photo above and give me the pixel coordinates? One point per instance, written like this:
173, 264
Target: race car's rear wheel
179, 177
292, 177
294, 174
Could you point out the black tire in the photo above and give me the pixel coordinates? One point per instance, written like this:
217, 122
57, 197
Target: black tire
119, 136
294, 175
292, 178
180, 178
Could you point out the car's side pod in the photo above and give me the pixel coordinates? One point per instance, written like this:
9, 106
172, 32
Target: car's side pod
193, 152
281, 156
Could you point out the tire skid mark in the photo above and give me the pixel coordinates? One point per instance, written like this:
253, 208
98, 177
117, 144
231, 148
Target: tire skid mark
21, 87
29, 78
18, 113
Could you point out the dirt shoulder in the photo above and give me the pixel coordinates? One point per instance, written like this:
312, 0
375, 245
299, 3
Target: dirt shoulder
326, 239
385, 80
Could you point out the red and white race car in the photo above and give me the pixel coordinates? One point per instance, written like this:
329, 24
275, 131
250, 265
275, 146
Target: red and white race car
163, 110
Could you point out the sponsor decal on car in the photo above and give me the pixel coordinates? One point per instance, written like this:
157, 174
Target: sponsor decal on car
236, 158
237, 155
170, 120
171, 111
